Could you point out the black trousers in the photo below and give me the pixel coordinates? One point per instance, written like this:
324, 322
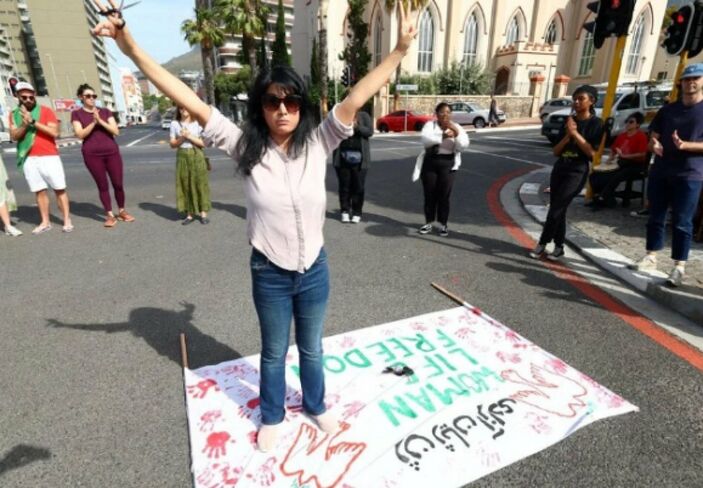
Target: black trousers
351, 180
565, 185
437, 181
604, 184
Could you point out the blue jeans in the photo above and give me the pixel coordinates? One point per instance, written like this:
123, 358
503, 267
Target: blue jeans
280, 296
682, 195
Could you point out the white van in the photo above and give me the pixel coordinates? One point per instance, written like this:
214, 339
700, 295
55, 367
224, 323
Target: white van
646, 98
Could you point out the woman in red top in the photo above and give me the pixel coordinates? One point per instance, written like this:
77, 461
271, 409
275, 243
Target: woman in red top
629, 151
98, 128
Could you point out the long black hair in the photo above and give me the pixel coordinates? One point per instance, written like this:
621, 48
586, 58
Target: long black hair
252, 144
82, 88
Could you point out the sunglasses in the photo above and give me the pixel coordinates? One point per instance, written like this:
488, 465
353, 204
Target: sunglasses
273, 103
90, 95
630, 121
27, 98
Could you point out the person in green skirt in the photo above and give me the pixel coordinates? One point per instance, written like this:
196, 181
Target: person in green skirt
192, 185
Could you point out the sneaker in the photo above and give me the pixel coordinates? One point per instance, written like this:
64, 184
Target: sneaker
356, 219
345, 218
537, 252
12, 231
443, 231
124, 216
676, 276
647, 263
425, 229
110, 221
556, 254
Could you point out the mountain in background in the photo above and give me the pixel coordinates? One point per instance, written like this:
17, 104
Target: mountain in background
190, 61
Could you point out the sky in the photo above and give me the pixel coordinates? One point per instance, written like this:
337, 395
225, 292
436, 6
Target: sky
156, 25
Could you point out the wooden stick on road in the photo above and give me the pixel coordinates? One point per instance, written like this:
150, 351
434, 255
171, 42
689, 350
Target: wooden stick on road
184, 351
450, 294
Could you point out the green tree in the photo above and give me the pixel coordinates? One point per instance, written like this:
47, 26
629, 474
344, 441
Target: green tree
391, 7
262, 59
205, 30
459, 80
356, 53
149, 101
164, 104
231, 85
667, 16
279, 49
246, 18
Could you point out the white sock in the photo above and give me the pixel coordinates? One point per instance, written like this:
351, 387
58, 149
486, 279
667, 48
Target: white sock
328, 422
267, 437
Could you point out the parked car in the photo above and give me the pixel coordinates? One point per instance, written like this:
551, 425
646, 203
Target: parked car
464, 113
4, 137
395, 121
166, 123
553, 105
646, 99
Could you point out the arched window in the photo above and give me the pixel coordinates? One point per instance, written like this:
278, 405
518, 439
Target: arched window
552, 32
513, 33
470, 40
634, 56
426, 43
588, 54
377, 39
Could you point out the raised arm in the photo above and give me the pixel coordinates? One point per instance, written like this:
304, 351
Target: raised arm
172, 87
370, 84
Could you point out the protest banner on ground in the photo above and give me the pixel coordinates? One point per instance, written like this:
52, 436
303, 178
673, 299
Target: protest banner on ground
477, 397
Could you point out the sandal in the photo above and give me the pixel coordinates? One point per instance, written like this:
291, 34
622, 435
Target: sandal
68, 228
40, 229
110, 221
124, 216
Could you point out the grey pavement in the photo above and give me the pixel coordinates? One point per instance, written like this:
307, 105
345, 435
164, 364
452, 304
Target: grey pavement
614, 238
91, 390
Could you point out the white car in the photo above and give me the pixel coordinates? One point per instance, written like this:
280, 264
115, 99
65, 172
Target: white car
553, 105
4, 137
166, 123
464, 113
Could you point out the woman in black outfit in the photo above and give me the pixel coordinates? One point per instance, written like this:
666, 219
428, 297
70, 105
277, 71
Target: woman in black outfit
575, 151
351, 161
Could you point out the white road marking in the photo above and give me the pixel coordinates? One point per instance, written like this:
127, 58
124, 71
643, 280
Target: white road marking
142, 138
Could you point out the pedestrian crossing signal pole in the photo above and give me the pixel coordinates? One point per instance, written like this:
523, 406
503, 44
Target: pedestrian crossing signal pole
613, 18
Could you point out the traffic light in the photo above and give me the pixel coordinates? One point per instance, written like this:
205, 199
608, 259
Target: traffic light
676, 39
695, 36
12, 81
613, 18
346, 78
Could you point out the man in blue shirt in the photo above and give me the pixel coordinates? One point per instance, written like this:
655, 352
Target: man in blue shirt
676, 177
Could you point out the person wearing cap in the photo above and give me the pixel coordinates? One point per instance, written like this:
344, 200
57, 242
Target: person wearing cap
582, 135
35, 128
676, 177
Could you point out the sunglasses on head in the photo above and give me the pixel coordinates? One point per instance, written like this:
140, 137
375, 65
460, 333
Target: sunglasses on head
26, 98
272, 102
90, 95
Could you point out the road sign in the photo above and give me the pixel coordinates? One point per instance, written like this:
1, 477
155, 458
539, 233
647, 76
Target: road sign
406, 87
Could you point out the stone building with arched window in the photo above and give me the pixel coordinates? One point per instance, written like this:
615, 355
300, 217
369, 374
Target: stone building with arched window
513, 40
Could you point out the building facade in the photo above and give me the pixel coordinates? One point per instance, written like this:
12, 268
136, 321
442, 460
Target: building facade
48, 43
229, 54
511, 39
134, 103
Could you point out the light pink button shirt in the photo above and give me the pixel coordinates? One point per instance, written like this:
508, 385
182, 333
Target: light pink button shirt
286, 198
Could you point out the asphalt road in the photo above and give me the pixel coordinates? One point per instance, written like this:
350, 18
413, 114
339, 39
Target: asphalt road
90, 386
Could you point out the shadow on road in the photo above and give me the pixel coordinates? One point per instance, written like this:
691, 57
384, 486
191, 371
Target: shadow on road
87, 210
234, 209
161, 330
21, 455
163, 211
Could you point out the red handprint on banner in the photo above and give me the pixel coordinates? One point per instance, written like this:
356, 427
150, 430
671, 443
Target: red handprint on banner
201, 389
265, 475
353, 409
419, 326
208, 420
230, 475
464, 333
216, 445
347, 342
246, 411
508, 357
240, 370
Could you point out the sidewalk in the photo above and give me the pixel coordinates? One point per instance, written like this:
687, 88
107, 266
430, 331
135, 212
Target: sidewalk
612, 238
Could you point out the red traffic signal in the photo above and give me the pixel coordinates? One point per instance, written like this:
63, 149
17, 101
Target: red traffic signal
694, 42
613, 18
677, 34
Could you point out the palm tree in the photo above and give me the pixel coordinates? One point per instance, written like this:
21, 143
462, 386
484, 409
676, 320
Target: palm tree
246, 18
392, 6
205, 30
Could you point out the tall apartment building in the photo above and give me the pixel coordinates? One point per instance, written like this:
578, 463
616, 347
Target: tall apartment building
49, 45
228, 55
